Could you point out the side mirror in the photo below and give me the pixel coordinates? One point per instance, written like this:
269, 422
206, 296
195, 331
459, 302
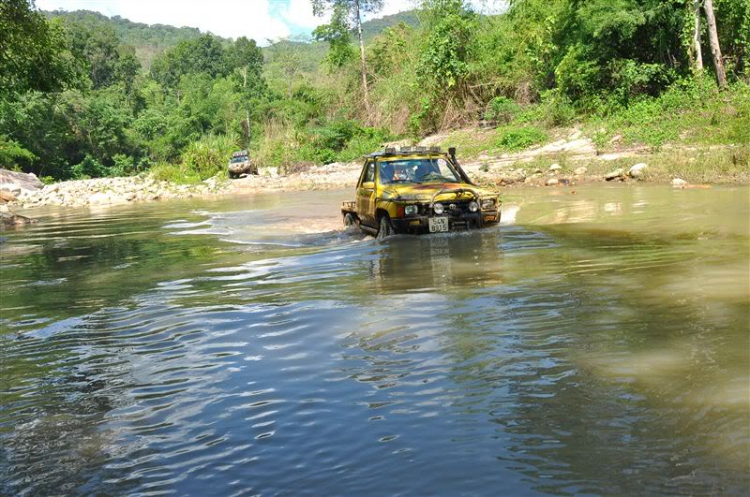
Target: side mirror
370, 185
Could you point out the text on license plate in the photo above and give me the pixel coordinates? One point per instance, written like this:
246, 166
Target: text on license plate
438, 224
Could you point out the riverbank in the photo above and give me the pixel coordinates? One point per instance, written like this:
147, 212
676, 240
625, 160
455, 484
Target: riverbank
107, 191
569, 161
581, 159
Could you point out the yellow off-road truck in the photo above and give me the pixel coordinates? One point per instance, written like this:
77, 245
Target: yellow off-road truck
418, 190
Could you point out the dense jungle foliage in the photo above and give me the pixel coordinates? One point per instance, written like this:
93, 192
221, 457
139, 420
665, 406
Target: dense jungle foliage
80, 96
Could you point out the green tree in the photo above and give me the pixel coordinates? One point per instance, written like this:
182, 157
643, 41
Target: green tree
336, 34
106, 60
356, 9
13, 155
203, 55
31, 52
245, 58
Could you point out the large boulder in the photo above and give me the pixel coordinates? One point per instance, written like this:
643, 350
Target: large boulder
15, 182
638, 170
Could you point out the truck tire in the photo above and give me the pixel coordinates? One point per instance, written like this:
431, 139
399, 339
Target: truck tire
349, 220
385, 227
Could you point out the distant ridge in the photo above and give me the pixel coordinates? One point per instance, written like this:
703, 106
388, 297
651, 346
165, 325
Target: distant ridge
373, 27
151, 40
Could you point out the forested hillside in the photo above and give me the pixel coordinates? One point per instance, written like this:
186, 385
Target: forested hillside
84, 96
149, 41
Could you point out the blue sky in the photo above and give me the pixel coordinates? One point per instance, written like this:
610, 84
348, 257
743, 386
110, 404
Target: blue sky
262, 20
259, 19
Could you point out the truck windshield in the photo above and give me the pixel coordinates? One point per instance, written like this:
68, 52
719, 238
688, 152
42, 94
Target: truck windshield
432, 170
241, 158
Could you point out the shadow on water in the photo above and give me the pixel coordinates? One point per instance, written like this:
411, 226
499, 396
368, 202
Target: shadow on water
210, 354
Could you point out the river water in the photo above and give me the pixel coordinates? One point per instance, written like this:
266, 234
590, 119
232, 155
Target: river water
596, 343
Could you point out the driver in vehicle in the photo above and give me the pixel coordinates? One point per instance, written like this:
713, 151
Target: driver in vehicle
416, 171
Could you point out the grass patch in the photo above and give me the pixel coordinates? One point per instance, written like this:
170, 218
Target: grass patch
473, 143
515, 139
175, 173
470, 144
687, 114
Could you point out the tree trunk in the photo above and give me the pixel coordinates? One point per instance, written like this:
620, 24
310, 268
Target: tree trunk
362, 55
713, 39
247, 112
697, 37
247, 132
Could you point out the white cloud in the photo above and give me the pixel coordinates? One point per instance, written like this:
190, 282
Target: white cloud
299, 13
391, 7
228, 18
258, 19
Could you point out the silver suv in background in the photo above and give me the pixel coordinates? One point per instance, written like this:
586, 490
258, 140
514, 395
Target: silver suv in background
240, 163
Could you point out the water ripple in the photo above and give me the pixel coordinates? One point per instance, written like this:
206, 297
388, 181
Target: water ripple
520, 360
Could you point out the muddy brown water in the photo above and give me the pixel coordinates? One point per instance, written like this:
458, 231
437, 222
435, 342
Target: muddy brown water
597, 343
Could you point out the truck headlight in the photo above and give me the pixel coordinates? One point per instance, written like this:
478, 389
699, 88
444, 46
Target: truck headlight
488, 204
410, 210
473, 206
438, 208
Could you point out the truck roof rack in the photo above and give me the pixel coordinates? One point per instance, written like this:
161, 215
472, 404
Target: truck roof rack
393, 151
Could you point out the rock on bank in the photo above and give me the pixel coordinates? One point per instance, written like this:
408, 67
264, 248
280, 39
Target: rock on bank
109, 191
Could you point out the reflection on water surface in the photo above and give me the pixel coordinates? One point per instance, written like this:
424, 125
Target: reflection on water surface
599, 345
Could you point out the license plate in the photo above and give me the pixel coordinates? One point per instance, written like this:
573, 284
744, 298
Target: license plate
438, 224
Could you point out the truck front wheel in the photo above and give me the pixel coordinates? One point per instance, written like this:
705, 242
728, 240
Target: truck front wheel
385, 227
349, 220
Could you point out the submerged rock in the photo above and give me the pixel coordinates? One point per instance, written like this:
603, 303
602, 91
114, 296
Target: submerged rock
679, 183
10, 220
552, 182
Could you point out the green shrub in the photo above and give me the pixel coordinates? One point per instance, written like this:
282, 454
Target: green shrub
533, 113
515, 139
174, 173
601, 140
209, 155
365, 142
335, 135
89, 168
124, 165
338, 140
557, 109
13, 156
501, 110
